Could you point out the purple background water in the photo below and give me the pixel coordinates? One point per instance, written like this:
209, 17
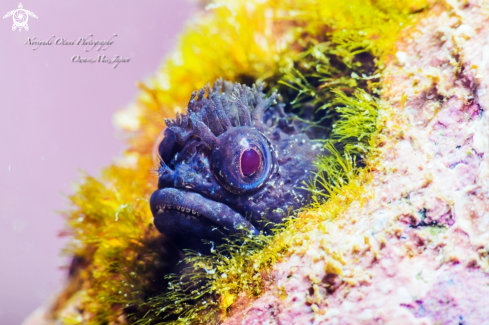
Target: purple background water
56, 118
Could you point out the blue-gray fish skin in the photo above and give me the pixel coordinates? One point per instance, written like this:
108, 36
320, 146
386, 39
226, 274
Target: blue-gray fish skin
234, 161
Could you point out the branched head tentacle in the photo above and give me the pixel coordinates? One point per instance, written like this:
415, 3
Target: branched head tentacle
202, 131
240, 97
262, 104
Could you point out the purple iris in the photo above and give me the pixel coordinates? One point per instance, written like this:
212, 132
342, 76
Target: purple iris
250, 161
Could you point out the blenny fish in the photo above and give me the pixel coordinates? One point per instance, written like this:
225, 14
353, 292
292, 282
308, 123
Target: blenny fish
233, 163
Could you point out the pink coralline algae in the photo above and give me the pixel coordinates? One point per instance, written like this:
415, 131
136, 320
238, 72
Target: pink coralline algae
416, 252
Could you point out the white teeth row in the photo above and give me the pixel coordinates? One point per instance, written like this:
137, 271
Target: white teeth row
161, 208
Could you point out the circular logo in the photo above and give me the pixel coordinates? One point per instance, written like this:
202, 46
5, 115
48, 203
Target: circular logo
20, 17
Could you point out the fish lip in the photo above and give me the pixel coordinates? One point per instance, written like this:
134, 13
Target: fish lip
216, 212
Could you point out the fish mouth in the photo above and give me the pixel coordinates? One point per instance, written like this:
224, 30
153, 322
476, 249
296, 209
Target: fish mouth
188, 217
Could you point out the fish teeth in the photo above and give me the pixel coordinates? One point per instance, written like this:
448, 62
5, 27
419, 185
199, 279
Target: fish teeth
161, 208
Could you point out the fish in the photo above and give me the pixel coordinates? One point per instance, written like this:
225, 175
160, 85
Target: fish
234, 163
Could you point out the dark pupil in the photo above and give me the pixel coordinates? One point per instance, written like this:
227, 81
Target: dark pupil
250, 161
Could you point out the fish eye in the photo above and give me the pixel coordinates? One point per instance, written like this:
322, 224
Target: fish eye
242, 160
249, 162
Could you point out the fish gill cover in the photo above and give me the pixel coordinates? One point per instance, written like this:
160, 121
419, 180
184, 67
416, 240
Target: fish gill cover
325, 55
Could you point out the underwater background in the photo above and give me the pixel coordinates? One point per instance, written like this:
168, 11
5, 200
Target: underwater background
56, 120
